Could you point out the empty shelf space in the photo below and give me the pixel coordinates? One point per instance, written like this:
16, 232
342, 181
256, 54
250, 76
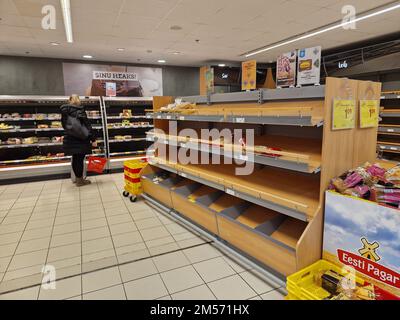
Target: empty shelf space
300, 113
297, 154
290, 193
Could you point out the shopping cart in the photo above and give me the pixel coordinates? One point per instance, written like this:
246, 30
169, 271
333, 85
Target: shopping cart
133, 186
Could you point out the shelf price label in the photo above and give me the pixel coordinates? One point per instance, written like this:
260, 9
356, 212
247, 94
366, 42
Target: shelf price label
344, 114
369, 113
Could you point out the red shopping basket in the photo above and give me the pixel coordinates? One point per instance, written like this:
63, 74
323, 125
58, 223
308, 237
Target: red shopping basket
96, 164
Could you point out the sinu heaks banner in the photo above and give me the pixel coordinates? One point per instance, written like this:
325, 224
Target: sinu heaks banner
309, 66
93, 79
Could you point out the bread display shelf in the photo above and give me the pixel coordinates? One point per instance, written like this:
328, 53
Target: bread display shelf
391, 95
267, 187
275, 214
33, 145
31, 130
242, 224
302, 155
389, 129
390, 113
389, 146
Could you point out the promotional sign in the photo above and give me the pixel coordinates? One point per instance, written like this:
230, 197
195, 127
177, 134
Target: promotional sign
286, 70
91, 80
111, 89
344, 114
210, 80
249, 75
365, 236
369, 113
309, 66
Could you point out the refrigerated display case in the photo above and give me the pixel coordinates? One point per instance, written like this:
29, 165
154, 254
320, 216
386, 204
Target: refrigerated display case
127, 122
31, 135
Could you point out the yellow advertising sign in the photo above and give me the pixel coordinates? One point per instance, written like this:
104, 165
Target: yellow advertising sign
369, 113
344, 114
249, 75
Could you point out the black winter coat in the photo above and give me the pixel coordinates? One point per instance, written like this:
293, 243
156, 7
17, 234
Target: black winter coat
74, 145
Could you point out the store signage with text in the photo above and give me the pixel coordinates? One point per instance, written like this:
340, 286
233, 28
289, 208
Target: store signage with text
249, 75
309, 66
114, 76
370, 268
286, 70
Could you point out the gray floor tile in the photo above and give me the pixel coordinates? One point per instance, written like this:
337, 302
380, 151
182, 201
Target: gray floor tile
28, 260
100, 280
232, 288
137, 270
149, 288
201, 253
113, 293
27, 294
214, 269
273, 295
171, 261
256, 281
181, 279
64, 289
195, 294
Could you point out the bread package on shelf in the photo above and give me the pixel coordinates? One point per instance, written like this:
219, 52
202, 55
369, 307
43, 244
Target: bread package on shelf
14, 141
4, 126
30, 140
371, 182
126, 113
56, 125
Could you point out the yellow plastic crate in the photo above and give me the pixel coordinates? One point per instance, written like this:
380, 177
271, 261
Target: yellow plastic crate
302, 284
132, 170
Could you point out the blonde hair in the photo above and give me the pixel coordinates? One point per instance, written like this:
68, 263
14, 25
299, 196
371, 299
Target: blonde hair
74, 100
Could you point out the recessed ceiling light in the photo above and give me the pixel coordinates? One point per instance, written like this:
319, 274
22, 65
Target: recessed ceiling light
162, 61
87, 56
222, 65
176, 52
54, 44
121, 49
176, 28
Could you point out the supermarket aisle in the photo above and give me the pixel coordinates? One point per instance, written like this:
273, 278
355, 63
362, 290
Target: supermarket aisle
104, 247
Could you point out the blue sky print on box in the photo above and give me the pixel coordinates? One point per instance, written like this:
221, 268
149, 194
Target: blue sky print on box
348, 220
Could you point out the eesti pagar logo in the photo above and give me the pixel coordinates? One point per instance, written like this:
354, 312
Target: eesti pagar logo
369, 250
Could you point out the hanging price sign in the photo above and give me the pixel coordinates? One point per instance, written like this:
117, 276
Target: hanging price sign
344, 114
369, 113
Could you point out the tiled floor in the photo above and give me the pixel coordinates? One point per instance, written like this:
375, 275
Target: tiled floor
104, 247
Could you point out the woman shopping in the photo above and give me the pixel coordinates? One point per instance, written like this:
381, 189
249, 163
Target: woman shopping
79, 138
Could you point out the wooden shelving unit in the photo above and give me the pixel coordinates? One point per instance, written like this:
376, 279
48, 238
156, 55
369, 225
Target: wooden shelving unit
389, 129
275, 214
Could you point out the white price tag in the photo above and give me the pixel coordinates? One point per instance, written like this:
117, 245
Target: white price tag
231, 192
159, 117
243, 157
393, 149
183, 175
240, 120
390, 130
383, 147
183, 145
169, 117
182, 118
